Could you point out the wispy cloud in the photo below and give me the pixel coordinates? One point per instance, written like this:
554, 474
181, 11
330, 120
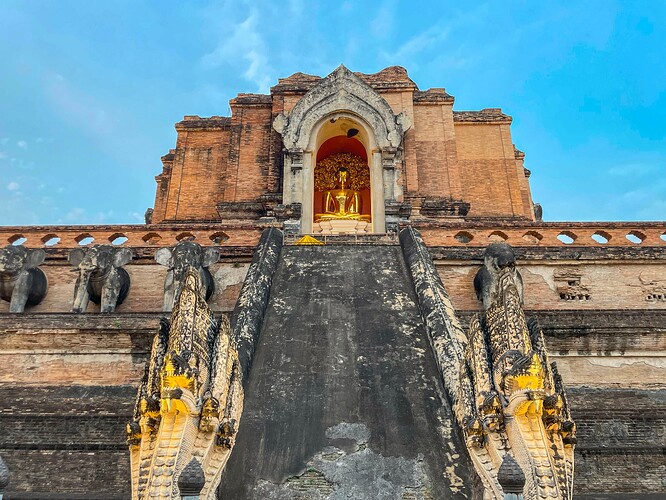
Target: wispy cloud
407, 52
80, 215
76, 107
382, 24
22, 144
246, 41
632, 169
13, 186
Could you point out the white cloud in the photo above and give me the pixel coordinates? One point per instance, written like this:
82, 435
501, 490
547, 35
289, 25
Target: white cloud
22, 144
245, 40
633, 169
382, 24
76, 107
3, 155
80, 215
13, 186
74, 216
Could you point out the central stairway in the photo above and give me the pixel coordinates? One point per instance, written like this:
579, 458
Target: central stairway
344, 398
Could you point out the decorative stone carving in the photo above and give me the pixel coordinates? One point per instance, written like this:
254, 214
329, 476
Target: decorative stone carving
181, 258
341, 90
517, 407
21, 281
507, 398
569, 286
101, 277
654, 290
342, 95
538, 212
189, 401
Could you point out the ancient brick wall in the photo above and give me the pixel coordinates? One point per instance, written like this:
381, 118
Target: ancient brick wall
66, 441
464, 155
609, 348
198, 172
436, 155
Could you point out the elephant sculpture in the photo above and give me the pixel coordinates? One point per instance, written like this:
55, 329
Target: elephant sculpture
497, 257
178, 259
21, 281
101, 277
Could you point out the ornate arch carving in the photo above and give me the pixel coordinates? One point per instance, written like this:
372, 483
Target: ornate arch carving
341, 91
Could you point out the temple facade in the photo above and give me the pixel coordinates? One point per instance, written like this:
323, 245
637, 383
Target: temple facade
343, 290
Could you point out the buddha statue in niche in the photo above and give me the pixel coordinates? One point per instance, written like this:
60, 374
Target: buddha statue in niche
341, 202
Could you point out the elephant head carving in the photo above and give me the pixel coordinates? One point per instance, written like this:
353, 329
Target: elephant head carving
498, 256
178, 259
21, 281
101, 276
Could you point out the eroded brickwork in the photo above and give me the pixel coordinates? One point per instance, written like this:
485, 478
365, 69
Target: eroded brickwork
67, 380
236, 161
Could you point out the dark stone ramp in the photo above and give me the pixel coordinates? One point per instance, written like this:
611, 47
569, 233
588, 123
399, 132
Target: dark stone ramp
344, 398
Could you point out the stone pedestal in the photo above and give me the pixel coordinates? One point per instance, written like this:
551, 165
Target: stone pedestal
341, 226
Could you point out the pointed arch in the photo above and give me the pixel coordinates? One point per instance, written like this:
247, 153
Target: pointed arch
342, 90
341, 93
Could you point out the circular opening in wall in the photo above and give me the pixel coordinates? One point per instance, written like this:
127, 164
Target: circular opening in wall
463, 237
50, 240
186, 237
567, 237
601, 237
117, 239
533, 237
84, 239
151, 238
17, 239
635, 237
498, 236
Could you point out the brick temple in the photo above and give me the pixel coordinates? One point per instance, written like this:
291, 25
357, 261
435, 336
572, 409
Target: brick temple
343, 290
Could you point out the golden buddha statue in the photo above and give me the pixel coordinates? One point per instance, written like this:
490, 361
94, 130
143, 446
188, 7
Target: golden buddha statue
341, 202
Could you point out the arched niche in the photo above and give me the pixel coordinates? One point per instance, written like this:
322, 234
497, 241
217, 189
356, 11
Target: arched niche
344, 134
344, 97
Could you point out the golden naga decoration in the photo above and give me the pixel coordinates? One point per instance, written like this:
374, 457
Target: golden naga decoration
189, 401
517, 409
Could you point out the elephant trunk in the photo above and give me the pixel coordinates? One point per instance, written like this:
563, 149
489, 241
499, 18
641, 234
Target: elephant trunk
21, 292
81, 294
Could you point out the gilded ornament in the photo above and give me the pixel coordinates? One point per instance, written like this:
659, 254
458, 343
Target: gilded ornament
326, 173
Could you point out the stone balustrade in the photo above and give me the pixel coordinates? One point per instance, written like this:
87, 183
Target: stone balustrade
138, 235
548, 234
473, 234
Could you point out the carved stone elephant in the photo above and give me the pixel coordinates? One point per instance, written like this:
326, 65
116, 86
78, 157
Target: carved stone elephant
497, 256
21, 281
101, 276
178, 260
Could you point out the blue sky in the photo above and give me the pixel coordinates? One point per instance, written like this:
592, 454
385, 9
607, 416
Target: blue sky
90, 90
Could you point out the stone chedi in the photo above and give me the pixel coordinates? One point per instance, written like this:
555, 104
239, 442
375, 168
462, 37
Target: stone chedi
343, 290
